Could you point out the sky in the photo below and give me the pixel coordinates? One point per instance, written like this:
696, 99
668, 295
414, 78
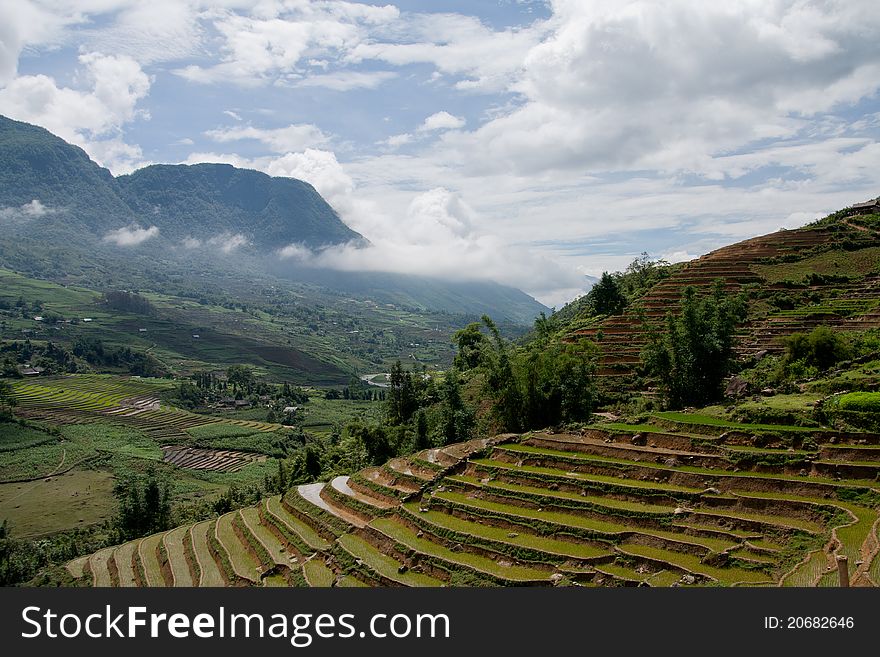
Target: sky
533, 143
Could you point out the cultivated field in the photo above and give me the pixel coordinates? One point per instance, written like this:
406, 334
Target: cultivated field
666, 503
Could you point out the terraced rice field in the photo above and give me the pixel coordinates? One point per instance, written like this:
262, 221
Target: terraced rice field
236, 556
173, 543
545, 509
133, 401
123, 559
210, 573
217, 460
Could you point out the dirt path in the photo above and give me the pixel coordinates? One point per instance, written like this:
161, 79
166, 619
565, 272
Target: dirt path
312, 493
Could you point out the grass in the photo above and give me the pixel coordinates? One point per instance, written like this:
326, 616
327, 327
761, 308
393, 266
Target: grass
406, 536
147, 554
317, 574
14, 436
295, 525
773, 520
601, 480
270, 543
587, 458
122, 557
173, 542
384, 565
100, 571
243, 563
693, 564
76, 499
874, 569
712, 421
220, 430
211, 574
484, 532
808, 572
853, 536
841, 263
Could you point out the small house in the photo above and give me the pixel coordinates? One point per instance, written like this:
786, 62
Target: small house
868, 207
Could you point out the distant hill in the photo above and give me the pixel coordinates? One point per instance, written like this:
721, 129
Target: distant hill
503, 303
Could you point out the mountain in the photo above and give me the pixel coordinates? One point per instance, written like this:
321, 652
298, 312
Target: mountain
199, 201
58, 208
72, 190
202, 201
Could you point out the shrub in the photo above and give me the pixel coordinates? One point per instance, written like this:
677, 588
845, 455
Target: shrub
822, 348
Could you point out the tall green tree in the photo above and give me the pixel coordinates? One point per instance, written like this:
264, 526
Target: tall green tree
241, 377
606, 297
546, 383
404, 393
7, 400
143, 506
457, 420
470, 342
695, 352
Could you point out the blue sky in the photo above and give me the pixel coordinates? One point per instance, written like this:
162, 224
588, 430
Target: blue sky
528, 142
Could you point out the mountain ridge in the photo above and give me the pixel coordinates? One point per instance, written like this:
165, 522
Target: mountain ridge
65, 218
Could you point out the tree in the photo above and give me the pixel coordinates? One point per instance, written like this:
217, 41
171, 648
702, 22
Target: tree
422, 440
457, 420
545, 384
606, 297
403, 398
7, 401
501, 383
375, 440
241, 377
695, 353
143, 506
470, 342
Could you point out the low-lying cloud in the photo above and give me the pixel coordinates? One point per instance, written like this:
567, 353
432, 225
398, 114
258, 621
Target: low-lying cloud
224, 242
131, 235
33, 210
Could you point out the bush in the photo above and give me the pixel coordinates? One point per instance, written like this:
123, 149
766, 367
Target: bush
861, 402
821, 348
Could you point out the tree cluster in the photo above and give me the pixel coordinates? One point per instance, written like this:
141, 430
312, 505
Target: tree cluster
691, 357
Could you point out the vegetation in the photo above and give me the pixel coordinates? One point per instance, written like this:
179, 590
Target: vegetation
695, 353
144, 507
136, 398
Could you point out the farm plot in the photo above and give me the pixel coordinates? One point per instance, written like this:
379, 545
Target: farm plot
217, 460
173, 543
210, 573
293, 525
237, 555
123, 558
502, 570
382, 564
317, 574
148, 556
